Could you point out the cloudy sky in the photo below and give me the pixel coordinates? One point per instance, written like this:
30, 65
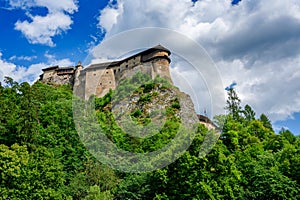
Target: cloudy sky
255, 43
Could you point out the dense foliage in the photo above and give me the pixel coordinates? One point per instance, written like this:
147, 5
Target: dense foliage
42, 157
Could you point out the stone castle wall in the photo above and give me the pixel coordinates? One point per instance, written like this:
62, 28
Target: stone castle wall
98, 79
58, 76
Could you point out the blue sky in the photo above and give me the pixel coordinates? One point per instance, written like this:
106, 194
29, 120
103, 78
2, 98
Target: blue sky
72, 43
255, 44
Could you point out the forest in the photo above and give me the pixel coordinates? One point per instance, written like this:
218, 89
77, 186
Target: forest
43, 157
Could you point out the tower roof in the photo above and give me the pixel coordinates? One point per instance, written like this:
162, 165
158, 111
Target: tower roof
156, 48
162, 48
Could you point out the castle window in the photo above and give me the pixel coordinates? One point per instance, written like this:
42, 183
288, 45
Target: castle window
94, 74
100, 84
115, 71
106, 72
126, 66
109, 82
119, 69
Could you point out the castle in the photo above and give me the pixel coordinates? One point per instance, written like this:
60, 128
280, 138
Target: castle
99, 78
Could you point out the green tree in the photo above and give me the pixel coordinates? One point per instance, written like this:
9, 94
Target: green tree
233, 104
36, 175
94, 193
248, 113
42, 157
265, 181
288, 135
266, 121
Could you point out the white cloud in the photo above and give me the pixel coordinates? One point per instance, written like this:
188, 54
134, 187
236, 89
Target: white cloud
109, 17
272, 87
65, 5
26, 58
27, 74
42, 29
51, 60
20, 4
63, 62
256, 44
69, 6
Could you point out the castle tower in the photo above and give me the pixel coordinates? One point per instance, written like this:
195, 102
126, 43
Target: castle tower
78, 69
79, 66
159, 58
79, 82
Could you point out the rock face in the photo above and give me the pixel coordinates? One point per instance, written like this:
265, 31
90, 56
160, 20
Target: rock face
150, 105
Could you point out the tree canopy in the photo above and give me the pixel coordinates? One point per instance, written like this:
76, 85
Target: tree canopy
42, 156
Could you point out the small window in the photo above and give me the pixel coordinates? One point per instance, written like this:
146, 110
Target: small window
106, 72
115, 71
119, 69
126, 66
109, 82
94, 74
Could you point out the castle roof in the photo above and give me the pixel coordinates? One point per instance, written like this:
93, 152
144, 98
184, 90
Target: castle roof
57, 68
114, 63
156, 48
65, 68
50, 68
103, 65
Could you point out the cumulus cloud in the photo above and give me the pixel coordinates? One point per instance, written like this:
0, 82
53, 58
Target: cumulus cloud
27, 74
42, 29
255, 43
26, 58
272, 87
66, 5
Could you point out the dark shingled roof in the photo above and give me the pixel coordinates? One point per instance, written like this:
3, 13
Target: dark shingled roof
50, 68
158, 47
114, 63
65, 68
103, 65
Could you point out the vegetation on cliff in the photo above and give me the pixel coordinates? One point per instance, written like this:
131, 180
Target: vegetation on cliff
42, 156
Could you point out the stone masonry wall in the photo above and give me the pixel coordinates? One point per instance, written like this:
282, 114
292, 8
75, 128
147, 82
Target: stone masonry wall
98, 79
